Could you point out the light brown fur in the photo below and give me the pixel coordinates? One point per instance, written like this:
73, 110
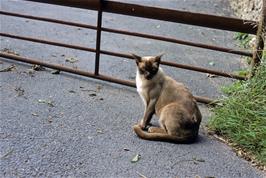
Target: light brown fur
179, 115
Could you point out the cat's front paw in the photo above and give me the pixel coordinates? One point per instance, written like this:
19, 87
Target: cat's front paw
142, 124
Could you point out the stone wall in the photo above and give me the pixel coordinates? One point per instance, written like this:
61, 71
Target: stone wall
247, 9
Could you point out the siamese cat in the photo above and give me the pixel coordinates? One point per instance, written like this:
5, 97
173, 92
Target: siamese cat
179, 115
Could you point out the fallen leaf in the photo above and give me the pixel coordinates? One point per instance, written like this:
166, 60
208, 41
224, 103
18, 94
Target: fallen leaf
92, 94
9, 51
50, 119
71, 91
136, 158
30, 72
126, 149
100, 131
48, 102
211, 63
8, 69
19, 91
37, 67
198, 159
99, 87
71, 60
212, 75
55, 72
34, 114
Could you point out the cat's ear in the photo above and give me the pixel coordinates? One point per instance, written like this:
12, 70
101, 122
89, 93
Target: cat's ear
136, 57
158, 58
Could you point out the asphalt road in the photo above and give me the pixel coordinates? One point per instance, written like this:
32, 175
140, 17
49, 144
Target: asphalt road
70, 126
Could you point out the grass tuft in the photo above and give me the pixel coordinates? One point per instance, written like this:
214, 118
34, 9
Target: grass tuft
242, 115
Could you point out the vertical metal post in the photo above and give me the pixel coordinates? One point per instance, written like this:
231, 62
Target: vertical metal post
98, 39
260, 38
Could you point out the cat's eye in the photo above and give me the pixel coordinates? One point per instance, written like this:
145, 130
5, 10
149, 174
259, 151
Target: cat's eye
142, 71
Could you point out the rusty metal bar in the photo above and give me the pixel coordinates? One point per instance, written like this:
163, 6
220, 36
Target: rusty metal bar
260, 40
190, 18
183, 66
148, 36
85, 73
45, 19
172, 64
66, 69
98, 40
182, 42
48, 42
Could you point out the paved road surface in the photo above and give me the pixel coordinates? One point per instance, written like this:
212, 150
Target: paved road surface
86, 131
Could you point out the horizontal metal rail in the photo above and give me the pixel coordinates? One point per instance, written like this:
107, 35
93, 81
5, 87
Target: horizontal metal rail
55, 43
183, 66
172, 64
190, 18
84, 73
45, 19
154, 37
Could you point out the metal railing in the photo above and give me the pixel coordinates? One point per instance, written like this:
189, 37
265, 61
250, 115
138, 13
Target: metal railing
210, 21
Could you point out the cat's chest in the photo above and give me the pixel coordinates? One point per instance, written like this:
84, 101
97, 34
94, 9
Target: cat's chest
139, 83
140, 88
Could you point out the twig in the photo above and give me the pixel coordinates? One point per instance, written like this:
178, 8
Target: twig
141, 175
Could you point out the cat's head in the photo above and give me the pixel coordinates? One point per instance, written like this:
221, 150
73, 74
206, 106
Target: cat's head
148, 66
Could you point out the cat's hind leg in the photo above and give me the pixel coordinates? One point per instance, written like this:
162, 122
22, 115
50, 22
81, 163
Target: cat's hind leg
156, 130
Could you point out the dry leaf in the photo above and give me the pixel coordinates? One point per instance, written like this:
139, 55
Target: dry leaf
212, 75
9, 68
99, 87
71, 60
100, 131
9, 51
31, 72
211, 63
136, 158
37, 67
50, 119
19, 91
34, 114
55, 72
48, 102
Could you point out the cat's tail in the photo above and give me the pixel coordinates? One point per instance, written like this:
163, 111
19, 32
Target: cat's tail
162, 136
